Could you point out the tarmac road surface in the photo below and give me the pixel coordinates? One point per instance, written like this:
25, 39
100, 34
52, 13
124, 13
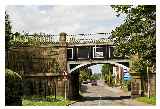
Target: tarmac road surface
103, 95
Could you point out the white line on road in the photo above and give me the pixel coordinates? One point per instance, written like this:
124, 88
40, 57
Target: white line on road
99, 103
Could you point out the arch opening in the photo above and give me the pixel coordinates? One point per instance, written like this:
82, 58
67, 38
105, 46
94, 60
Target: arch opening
78, 86
90, 64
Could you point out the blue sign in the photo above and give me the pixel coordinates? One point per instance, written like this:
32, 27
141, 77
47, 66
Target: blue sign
125, 71
127, 76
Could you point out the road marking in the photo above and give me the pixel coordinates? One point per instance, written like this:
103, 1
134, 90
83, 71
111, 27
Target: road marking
99, 103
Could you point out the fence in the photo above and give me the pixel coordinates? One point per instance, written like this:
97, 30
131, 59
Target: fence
27, 40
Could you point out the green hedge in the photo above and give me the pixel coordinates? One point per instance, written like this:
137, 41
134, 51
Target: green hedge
13, 88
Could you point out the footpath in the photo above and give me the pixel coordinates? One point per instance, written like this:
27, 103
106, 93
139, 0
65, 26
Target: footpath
120, 92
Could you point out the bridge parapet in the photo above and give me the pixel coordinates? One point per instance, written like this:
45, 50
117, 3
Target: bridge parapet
53, 40
91, 41
35, 40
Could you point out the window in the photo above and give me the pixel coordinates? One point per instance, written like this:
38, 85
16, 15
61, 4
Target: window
83, 52
98, 52
69, 53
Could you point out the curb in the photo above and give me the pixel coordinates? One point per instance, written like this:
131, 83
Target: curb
71, 103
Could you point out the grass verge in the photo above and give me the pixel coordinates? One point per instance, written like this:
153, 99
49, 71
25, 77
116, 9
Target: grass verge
48, 101
151, 100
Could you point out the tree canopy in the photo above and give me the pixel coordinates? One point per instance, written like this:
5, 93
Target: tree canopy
8, 31
106, 69
137, 35
85, 73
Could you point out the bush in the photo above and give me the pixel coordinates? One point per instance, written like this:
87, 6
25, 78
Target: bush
151, 100
13, 88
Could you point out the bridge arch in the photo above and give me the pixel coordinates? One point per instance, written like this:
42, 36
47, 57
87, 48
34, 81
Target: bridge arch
82, 64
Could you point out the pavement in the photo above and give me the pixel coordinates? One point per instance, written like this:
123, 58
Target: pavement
103, 95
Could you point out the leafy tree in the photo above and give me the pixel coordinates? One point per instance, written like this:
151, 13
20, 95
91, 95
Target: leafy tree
13, 88
96, 76
105, 69
85, 74
107, 73
8, 32
137, 35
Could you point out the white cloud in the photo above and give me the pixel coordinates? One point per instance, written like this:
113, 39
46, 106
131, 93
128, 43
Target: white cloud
96, 68
69, 19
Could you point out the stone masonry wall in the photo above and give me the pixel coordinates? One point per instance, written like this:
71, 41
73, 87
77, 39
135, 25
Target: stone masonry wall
41, 67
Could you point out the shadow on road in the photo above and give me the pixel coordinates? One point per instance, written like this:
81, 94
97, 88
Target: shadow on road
84, 89
88, 98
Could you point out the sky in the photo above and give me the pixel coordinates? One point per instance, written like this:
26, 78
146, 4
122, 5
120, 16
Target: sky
53, 19
96, 68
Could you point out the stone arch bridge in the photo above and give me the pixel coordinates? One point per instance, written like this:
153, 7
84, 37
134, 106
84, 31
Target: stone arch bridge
38, 62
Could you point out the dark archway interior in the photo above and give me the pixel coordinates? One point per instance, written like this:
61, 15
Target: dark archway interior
74, 85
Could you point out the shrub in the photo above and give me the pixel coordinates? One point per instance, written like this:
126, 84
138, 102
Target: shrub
13, 88
151, 100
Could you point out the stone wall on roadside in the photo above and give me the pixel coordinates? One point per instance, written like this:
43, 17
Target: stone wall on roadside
41, 67
43, 86
139, 83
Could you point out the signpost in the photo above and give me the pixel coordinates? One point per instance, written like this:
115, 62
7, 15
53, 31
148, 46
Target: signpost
65, 75
127, 77
125, 71
97, 53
